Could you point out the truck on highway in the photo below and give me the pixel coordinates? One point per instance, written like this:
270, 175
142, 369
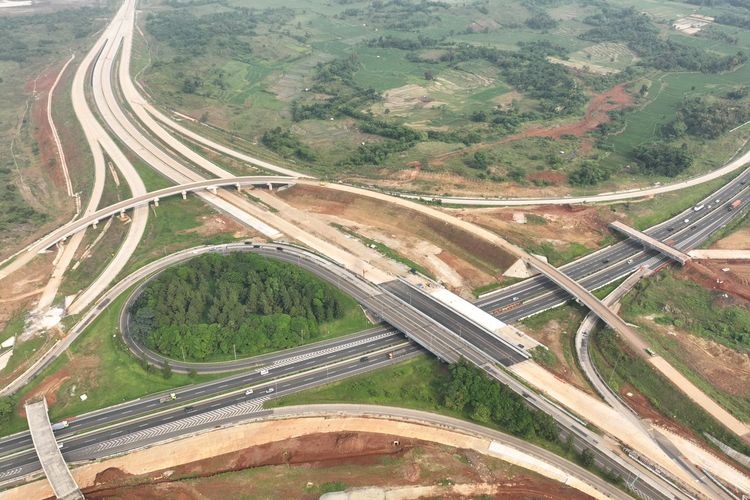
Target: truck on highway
60, 425
735, 205
698, 208
167, 398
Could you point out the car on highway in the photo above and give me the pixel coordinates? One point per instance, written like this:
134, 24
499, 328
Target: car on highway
188, 409
630, 261
687, 221
269, 390
248, 392
363, 359
264, 371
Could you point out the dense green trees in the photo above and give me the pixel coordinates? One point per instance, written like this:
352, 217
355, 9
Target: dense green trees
7, 407
471, 392
589, 173
216, 305
702, 117
627, 25
659, 158
286, 144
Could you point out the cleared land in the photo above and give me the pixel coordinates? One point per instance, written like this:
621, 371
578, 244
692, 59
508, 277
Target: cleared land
310, 465
459, 259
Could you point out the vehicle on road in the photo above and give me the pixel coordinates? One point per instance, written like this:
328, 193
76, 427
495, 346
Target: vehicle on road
269, 390
698, 208
363, 359
630, 261
735, 205
188, 409
650, 352
60, 425
264, 371
248, 392
170, 397
390, 355
687, 221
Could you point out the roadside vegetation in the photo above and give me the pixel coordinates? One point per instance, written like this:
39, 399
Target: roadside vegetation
623, 369
460, 390
34, 46
99, 365
687, 324
216, 307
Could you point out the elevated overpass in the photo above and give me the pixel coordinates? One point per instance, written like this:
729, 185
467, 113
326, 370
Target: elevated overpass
651, 243
153, 197
49, 453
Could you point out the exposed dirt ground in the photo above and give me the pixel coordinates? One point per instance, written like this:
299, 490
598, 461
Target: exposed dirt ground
596, 113
18, 291
735, 282
462, 261
419, 180
552, 336
739, 239
562, 224
218, 224
643, 407
725, 368
78, 375
303, 468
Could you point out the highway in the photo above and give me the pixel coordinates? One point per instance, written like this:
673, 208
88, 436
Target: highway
432, 335
631, 194
77, 225
86, 432
519, 300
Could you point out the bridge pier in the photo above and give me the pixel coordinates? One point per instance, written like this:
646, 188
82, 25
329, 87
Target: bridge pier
239, 187
270, 186
96, 222
212, 189
156, 202
184, 195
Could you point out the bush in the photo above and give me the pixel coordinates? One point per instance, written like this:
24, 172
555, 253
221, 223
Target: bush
659, 158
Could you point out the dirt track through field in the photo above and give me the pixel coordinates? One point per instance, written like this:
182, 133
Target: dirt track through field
596, 113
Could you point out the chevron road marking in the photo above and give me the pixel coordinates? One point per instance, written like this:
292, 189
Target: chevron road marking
329, 350
183, 424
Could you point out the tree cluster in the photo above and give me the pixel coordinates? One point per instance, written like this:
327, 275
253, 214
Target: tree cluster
659, 158
243, 303
702, 117
471, 392
287, 145
540, 20
589, 173
635, 29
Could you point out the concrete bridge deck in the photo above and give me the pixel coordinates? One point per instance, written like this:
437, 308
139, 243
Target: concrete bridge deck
49, 453
652, 243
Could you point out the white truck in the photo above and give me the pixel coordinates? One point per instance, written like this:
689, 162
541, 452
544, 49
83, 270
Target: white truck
60, 425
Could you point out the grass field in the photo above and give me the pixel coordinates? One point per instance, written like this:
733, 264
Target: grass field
248, 93
612, 357
676, 303
172, 227
99, 365
416, 383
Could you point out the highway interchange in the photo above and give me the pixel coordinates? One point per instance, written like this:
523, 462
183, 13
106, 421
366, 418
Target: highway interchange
406, 309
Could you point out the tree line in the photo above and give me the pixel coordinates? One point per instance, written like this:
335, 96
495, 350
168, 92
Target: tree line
627, 25
218, 305
708, 118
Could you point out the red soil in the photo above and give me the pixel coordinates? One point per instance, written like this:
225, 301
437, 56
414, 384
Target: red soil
596, 114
